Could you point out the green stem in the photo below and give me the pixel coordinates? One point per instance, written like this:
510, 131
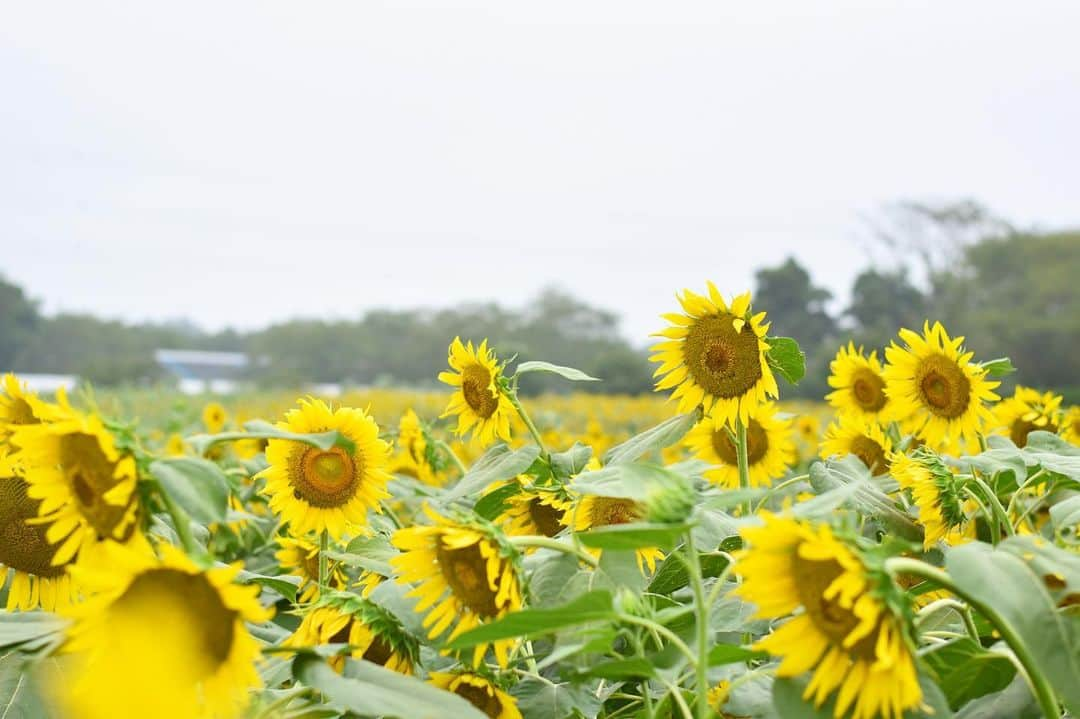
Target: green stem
678, 697
662, 631
324, 562
1044, 693
441, 444
783, 485
1021, 488
549, 543
995, 504
693, 564
385, 506
995, 530
527, 420
181, 523
719, 585
744, 461
949, 603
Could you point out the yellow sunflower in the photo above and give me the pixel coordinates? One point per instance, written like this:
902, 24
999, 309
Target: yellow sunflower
770, 449
372, 633
24, 550
865, 440
214, 417
944, 513
1026, 411
159, 637
858, 384
480, 692
479, 403
175, 446
715, 354
18, 406
464, 572
326, 489
845, 634
1070, 425
936, 390
411, 459
85, 484
808, 428
300, 558
593, 511
540, 511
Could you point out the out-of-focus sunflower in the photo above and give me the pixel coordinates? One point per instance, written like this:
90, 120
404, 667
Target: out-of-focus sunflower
1070, 425
332, 489
1026, 411
593, 511
372, 633
936, 390
18, 406
159, 637
300, 558
715, 354
175, 446
27, 555
480, 405
412, 456
480, 692
845, 634
535, 511
770, 449
944, 513
214, 417
464, 572
865, 440
858, 384
86, 486
808, 428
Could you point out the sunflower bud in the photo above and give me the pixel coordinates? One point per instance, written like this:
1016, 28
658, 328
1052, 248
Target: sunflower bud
670, 501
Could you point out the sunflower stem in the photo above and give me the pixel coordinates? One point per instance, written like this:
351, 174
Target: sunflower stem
182, 525
527, 420
1019, 490
549, 543
744, 462
441, 444
693, 564
324, 562
783, 485
1044, 693
995, 504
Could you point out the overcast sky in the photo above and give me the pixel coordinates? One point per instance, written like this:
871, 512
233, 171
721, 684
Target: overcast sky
239, 163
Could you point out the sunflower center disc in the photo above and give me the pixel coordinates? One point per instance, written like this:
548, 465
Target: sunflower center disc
869, 391
1020, 429
870, 453
944, 388
23, 546
326, 478
725, 363
475, 386
812, 578
607, 511
480, 699
757, 444
548, 519
465, 570
89, 475
378, 652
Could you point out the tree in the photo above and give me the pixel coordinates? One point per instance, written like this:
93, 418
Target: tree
18, 320
882, 303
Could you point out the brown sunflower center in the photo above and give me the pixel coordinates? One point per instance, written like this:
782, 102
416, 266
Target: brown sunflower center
1020, 429
476, 387
324, 478
480, 698
725, 363
379, 651
90, 475
868, 389
757, 444
465, 570
812, 578
870, 453
943, 387
548, 519
23, 546
606, 511
190, 598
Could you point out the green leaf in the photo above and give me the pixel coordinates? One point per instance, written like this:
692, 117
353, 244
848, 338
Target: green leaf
569, 373
731, 654
572, 461
619, 669
1005, 463
1054, 454
539, 698
371, 690
591, 607
626, 481
498, 464
1000, 367
1013, 702
672, 574
633, 535
285, 585
652, 440
786, 358
197, 485
261, 429
492, 504
867, 496
1066, 514
965, 670
21, 627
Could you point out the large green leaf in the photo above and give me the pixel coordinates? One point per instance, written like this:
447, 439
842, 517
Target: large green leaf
1066, 513
285, 585
540, 698
197, 485
633, 536
591, 607
867, 496
21, 627
672, 574
787, 358
965, 670
569, 373
627, 481
498, 464
1054, 454
572, 461
1013, 702
652, 440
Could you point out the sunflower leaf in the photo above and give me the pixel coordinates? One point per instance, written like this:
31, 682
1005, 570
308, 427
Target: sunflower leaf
634, 535
197, 485
786, 357
1000, 367
966, 671
653, 439
260, 429
591, 607
569, 373
498, 464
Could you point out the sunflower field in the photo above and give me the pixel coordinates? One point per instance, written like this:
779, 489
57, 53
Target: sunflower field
906, 548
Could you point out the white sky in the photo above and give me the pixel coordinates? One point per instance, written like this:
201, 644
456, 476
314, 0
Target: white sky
244, 162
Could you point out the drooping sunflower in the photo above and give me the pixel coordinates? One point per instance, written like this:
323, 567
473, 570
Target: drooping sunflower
214, 417
1026, 411
480, 692
865, 440
332, 489
372, 633
850, 639
479, 403
770, 449
197, 659
593, 511
936, 390
944, 513
464, 572
85, 484
535, 511
27, 555
715, 354
300, 558
1070, 425
858, 384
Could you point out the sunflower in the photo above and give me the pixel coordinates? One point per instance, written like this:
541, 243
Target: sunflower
593, 511
808, 428
174, 446
943, 511
412, 457
535, 511
479, 403
1070, 425
331, 490
198, 660
865, 440
372, 633
86, 485
214, 417
770, 449
24, 550
936, 389
858, 385
715, 354
480, 692
18, 406
300, 558
465, 571
1026, 411
845, 633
